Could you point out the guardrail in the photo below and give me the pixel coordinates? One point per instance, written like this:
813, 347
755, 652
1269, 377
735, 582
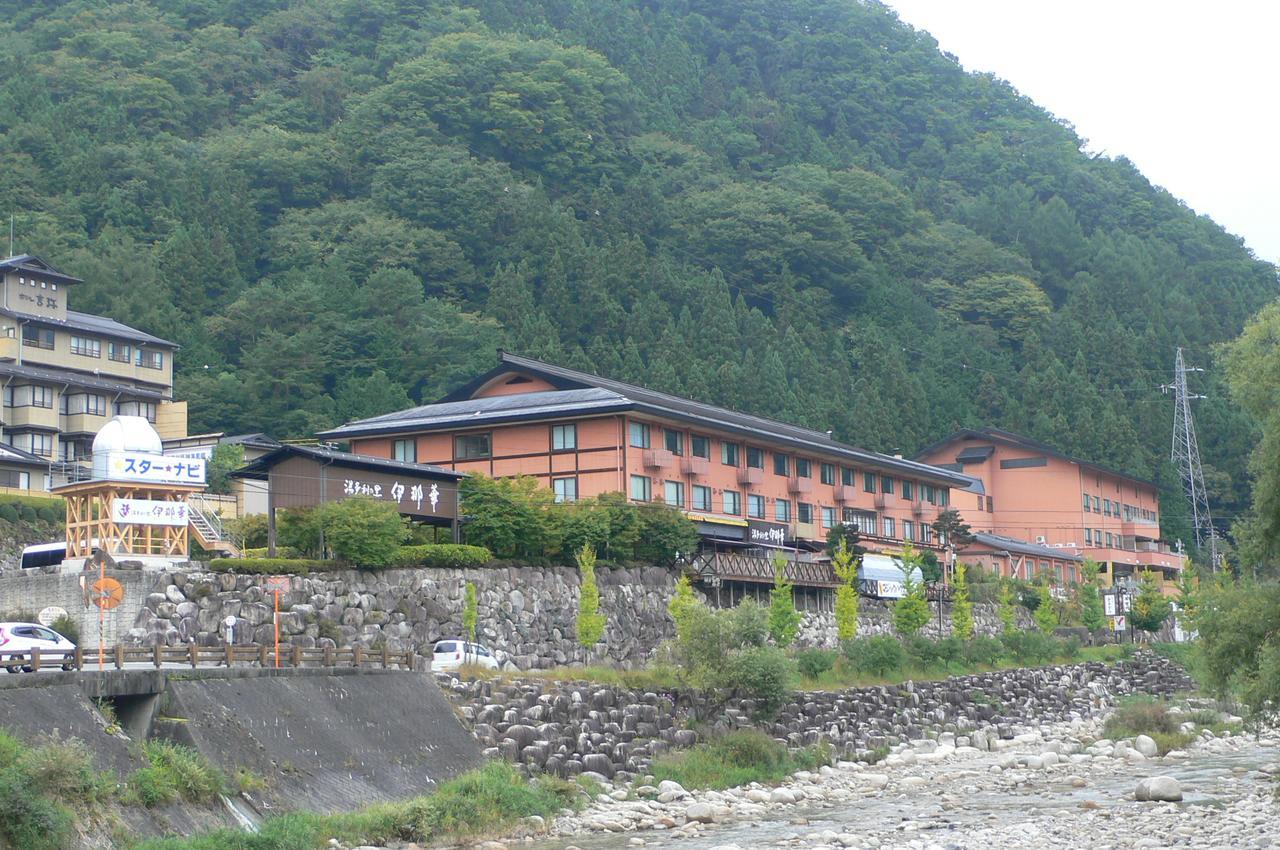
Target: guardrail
194, 656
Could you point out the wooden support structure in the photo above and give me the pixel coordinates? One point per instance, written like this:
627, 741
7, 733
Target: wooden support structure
89, 519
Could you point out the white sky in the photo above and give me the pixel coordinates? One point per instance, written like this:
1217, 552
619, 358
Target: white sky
1184, 89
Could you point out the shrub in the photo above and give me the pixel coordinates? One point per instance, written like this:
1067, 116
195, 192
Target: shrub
64, 771
814, 662
784, 619
470, 611
362, 531
734, 759
1029, 647
761, 673
483, 800
880, 655
9, 512
48, 513
844, 562
441, 556
1045, 616
174, 772
68, 627
28, 513
1007, 612
31, 821
983, 651
589, 623
961, 607
273, 566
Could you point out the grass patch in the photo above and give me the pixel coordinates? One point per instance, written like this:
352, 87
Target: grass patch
39, 788
737, 758
172, 773
1144, 716
482, 802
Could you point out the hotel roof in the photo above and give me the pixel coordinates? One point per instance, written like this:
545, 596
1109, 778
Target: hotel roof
999, 542
580, 393
260, 467
977, 454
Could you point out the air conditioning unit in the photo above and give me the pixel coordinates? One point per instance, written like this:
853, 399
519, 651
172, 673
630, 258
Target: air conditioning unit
1040, 539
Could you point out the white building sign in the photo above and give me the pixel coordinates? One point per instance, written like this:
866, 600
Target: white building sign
149, 512
155, 469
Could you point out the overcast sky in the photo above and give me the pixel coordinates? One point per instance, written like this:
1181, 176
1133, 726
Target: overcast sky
1185, 90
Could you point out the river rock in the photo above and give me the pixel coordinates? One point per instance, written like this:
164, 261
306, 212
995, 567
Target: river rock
1146, 746
1158, 789
700, 813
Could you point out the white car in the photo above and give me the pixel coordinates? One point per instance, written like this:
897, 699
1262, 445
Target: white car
24, 637
450, 655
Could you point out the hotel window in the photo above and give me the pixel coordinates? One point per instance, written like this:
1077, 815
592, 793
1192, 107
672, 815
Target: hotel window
906, 490
804, 512
471, 446
829, 517
869, 482
930, 494
782, 510
18, 480
865, 523
1106, 507
827, 473
151, 359
121, 352
991, 505
846, 476
641, 488
144, 409
1086, 502
564, 438
700, 446
95, 405
729, 454
908, 530
732, 502
886, 484
1110, 540
32, 396
86, 347
37, 337
405, 450
849, 516
889, 530
1097, 505
37, 444
944, 496
755, 458
673, 492
674, 441
639, 435
566, 489
926, 533
1088, 537
781, 465
755, 506
804, 468
701, 498
1097, 537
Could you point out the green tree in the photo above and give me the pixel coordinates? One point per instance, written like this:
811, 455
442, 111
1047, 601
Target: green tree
1150, 607
951, 528
961, 607
362, 531
226, 459
1045, 615
590, 622
784, 619
1006, 609
470, 611
911, 612
511, 517
1091, 611
845, 564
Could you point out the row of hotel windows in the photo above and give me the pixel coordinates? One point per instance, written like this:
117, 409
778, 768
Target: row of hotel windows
1095, 537
89, 347
1106, 507
41, 443
566, 489
31, 281
74, 403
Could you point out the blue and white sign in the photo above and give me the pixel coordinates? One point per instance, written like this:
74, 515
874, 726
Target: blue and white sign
155, 469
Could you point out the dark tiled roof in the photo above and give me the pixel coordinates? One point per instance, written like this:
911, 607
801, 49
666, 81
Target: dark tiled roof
580, 392
259, 467
32, 263
975, 454
77, 379
996, 541
257, 440
1012, 439
95, 324
9, 454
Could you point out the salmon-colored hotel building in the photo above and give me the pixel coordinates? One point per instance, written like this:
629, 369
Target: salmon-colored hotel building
747, 481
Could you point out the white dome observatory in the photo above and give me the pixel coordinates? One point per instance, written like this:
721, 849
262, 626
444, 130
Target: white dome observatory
124, 434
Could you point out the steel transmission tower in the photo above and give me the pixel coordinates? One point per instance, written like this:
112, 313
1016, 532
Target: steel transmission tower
1186, 457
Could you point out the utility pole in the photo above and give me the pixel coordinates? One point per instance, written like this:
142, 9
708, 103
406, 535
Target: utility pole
1186, 457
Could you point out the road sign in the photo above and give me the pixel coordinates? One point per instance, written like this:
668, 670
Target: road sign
278, 582
48, 615
1120, 624
107, 593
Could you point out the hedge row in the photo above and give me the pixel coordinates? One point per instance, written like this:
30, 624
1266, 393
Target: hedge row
31, 508
441, 555
275, 566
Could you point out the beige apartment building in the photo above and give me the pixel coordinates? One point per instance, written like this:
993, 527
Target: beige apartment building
65, 374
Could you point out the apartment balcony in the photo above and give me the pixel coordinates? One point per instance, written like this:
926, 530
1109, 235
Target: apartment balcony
695, 466
845, 495
886, 500
83, 423
658, 458
807, 531
800, 486
1149, 529
748, 475
32, 417
9, 347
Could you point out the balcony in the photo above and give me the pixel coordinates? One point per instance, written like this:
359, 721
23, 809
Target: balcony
800, 486
748, 475
695, 466
845, 495
657, 458
886, 500
9, 348
82, 423
807, 531
32, 417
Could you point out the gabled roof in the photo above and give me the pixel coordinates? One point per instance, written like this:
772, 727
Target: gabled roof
1026, 443
95, 324
9, 454
32, 263
579, 393
1022, 547
259, 468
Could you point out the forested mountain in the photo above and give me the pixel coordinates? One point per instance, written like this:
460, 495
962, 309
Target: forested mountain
796, 207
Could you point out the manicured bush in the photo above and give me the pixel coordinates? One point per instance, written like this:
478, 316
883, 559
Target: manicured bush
36, 503
50, 514
274, 566
441, 555
814, 662
28, 513
9, 512
879, 656
362, 531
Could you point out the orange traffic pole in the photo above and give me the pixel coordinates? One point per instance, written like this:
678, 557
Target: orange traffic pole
102, 613
277, 618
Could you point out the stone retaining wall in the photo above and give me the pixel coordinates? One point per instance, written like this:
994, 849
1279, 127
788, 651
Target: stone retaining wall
526, 614
575, 727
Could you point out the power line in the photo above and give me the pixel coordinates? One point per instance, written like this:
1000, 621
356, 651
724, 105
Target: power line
1185, 455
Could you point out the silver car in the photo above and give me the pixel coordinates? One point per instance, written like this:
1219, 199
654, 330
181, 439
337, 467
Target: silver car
450, 655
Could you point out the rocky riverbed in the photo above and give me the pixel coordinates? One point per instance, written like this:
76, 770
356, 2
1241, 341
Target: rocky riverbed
1050, 786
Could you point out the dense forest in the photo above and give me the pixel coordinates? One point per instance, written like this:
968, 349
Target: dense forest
800, 208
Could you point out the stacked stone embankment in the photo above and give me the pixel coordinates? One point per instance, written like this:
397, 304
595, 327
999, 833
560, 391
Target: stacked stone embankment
525, 614
575, 727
